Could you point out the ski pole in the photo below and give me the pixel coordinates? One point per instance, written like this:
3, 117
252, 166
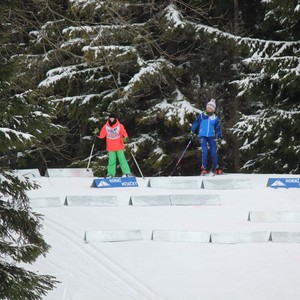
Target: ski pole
178, 162
137, 164
87, 168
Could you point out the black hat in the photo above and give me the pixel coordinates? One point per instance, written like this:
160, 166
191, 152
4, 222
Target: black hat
112, 115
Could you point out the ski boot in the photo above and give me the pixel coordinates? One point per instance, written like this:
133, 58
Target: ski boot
218, 171
203, 171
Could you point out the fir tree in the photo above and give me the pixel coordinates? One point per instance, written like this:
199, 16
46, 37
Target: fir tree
269, 94
157, 63
143, 62
21, 124
20, 241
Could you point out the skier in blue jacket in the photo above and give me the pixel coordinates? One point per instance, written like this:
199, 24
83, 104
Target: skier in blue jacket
207, 127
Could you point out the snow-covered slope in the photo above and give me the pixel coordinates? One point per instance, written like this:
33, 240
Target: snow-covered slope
148, 269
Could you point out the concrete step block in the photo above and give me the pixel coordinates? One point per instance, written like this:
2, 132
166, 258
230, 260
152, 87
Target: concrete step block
174, 183
31, 173
180, 236
150, 200
274, 216
240, 237
226, 184
91, 200
69, 172
45, 202
200, 199
113, 235
285, 237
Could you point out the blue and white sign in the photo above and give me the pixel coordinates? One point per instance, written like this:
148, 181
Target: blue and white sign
284, 183
115, 182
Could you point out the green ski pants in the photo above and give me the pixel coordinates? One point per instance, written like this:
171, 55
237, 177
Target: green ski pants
112, 162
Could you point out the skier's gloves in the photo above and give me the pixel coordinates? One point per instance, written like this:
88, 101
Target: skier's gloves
221, 142
192, 135
96, 131
125, 139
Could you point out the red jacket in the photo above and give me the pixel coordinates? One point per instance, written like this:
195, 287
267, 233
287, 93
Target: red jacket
114, 136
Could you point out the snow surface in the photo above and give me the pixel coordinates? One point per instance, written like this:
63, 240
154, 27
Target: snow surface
150, 269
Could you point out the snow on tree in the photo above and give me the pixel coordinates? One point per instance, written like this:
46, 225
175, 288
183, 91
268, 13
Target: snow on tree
281, 20
119, 66
23, 122
156, 64
269, 126
21, 241
267, 94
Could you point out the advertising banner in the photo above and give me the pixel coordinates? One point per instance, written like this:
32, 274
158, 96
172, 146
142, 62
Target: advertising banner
284, 183
115, 182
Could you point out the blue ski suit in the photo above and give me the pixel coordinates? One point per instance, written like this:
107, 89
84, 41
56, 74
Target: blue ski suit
207, 127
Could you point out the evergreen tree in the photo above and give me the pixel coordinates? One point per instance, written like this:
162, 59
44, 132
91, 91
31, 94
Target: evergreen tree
20, 241
281, 20
22, 123
156, 64
142, 60
26, 108
269, 94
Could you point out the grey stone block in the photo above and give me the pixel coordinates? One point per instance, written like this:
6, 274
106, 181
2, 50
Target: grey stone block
226, 184
174, 183
208, 199
32, 173
180, 236
113, 236
91, 200
45, 202
69, 172
240, 237
285, 237
150, 200
274, 216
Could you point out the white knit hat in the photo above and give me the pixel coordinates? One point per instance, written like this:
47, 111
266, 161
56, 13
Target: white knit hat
211, 104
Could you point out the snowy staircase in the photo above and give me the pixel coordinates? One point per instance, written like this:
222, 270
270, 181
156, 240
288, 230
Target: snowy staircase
225, 217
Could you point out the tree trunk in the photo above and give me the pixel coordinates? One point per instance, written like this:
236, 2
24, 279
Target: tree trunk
236, 154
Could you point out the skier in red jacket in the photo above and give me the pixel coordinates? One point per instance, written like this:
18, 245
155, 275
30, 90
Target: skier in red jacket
115, 134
